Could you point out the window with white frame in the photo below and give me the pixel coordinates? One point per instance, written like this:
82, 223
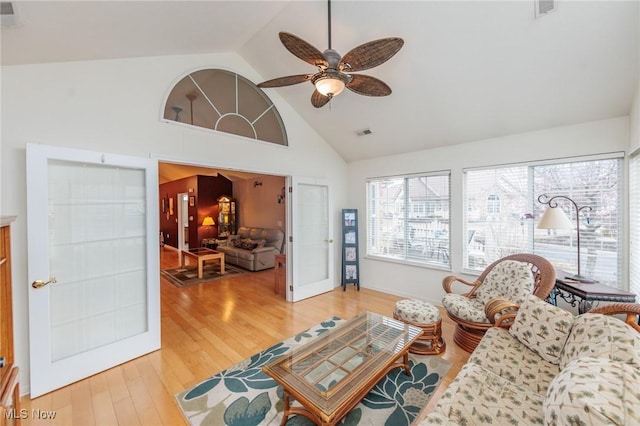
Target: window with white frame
408, 218
492, 233
634, 224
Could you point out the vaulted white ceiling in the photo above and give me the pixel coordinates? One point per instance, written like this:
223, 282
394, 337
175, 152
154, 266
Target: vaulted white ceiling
468, 70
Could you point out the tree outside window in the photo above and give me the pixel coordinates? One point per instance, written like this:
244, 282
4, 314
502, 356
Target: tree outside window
507, 225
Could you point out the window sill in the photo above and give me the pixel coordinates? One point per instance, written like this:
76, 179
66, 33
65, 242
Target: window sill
409, 263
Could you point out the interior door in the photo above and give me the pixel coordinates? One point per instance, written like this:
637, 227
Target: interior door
312, 232
183, 222
93, 262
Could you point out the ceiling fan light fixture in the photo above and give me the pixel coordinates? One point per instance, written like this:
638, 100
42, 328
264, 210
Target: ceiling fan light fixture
334, 71
330, 84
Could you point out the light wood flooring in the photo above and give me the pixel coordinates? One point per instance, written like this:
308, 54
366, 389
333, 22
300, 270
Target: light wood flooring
205, 329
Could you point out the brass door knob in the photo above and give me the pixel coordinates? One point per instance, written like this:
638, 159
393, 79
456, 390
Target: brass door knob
40, 283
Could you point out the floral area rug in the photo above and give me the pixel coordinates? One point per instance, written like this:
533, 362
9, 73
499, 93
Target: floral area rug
188, 275
243, 395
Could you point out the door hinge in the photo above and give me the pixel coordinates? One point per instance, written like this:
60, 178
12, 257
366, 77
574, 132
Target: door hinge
290, 189
290, 288
290, 239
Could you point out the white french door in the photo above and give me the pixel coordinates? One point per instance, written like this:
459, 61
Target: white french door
312, 231
93, 262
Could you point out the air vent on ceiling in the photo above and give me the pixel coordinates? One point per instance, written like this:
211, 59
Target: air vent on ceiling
544, 7
7, 14
363, 132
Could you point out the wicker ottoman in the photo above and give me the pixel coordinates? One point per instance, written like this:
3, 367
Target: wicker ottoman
427, 317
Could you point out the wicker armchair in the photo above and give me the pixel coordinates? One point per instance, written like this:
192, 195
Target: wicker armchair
529, 273
631, 310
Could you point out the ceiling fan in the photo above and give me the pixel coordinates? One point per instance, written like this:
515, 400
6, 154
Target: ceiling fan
334, 71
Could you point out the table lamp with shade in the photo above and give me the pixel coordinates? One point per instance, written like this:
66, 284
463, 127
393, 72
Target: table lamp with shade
555, 218
208, 222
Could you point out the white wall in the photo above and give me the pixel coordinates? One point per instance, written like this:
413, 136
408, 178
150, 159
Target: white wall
425, 283
115, 106
634, 122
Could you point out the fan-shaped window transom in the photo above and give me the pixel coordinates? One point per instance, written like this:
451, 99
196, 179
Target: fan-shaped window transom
227, 102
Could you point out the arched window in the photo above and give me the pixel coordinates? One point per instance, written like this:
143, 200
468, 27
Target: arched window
227, 102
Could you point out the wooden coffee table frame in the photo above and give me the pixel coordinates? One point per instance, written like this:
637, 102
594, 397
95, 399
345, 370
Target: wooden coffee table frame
375, 345
202, 254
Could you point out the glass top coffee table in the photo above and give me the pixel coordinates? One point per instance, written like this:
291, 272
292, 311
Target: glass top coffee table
331, 374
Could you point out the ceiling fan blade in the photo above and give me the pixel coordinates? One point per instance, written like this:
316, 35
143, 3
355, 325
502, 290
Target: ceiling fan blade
303, 50
371, 54
368, 86
319, 100
286, 81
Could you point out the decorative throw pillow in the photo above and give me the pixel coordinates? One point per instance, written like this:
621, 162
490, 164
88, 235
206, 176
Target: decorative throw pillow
601, 336
248, 244
594, 391
542, 327
510, 279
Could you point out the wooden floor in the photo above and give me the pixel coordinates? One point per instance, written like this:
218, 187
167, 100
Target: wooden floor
205, 329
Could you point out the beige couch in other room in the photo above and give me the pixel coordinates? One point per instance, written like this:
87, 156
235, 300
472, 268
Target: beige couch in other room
254, 249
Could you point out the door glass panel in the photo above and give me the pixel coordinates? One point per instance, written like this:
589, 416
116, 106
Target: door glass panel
314, 219
97, 246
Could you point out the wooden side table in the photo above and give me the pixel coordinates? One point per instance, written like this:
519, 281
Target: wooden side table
280, 285
585, 294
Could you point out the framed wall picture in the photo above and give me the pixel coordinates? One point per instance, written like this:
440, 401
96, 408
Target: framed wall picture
350, 237
350, 254
350, 264
351, 272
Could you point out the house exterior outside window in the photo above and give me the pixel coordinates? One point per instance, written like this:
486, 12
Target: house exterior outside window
408, 219
493, 204
494, 233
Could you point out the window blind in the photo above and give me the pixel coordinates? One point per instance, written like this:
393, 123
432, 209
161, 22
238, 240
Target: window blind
502, 211
634, 224
408, 218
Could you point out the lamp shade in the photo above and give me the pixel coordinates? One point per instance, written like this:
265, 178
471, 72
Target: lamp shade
208, 221
555, 218
329, 86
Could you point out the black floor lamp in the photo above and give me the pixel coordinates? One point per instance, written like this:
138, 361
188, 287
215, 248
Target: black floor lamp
555, 218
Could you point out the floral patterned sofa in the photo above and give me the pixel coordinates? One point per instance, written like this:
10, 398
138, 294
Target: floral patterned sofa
550, 368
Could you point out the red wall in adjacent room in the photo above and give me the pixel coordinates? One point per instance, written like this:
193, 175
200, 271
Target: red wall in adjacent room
206, 190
